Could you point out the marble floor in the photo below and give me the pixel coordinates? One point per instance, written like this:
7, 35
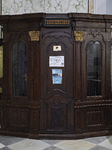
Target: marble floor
15, 143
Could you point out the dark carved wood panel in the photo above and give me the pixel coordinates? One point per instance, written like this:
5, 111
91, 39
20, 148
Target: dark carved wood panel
56, 115
1, 117
34, 120
19, 118
35, 46
95, 119
79, 121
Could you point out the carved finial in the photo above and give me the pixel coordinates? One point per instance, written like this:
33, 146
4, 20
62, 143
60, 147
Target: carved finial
79, 35
35, 35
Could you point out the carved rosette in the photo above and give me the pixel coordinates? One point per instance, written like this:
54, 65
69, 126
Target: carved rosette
79, 35
34, 35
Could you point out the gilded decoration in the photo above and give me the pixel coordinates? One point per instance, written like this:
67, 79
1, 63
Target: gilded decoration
79, 35
34, 35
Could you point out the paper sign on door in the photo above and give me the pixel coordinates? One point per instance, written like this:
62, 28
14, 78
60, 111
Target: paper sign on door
57, 76
56, 61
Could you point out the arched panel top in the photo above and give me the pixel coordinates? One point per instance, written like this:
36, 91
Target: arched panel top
94, 37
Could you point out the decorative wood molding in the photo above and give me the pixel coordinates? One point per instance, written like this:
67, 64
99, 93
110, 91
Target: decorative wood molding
79, 35
34, 35
76, 136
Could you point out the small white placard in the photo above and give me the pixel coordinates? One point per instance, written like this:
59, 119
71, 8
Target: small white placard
57, 48
56, 61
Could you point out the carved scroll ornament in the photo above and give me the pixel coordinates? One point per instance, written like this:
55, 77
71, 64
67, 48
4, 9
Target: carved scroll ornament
79, 35
34, 35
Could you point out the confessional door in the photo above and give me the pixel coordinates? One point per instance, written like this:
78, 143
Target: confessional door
56, 111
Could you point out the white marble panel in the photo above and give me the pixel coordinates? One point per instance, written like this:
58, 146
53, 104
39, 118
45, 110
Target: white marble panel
12, 7
33, 6
109, 7
100, 7
64, 6
48, 6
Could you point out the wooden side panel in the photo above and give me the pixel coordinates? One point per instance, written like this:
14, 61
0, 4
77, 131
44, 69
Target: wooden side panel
34, 120
35, 46
78, 83
96, 119
19, 119
79, 120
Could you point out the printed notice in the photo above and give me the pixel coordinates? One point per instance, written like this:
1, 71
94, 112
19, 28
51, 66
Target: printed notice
56, 61
57, 76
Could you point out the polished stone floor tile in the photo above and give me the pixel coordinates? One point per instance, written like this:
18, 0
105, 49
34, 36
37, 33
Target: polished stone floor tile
74, 145
52, 148
4, 138
96, 140
106, 144
108, 136
52, 142
11, 140
110, 140
99, 148
1, 145
29, 144
6, 148
95, 143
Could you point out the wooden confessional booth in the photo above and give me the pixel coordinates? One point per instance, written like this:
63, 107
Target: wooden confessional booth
56, 75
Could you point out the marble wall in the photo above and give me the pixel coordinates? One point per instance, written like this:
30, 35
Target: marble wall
103, 7
100, 7
48, 6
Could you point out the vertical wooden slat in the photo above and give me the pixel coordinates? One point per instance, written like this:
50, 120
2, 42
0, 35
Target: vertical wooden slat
108, 69
84, 72
78, 71
36, 71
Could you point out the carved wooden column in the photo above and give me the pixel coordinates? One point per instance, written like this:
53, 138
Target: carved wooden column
35, 48
35, 83
77, 45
